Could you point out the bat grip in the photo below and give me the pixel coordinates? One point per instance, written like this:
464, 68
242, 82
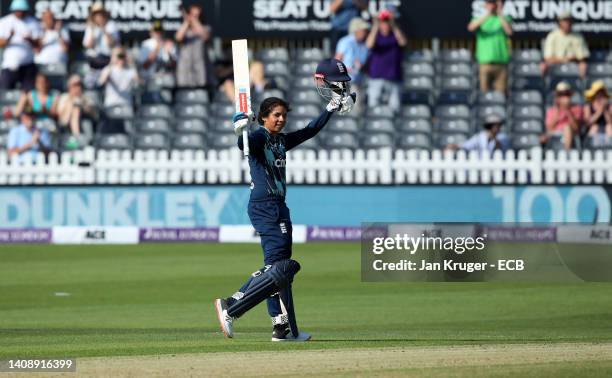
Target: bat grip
245, 142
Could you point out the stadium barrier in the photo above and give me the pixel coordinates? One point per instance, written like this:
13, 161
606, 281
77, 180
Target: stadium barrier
382, 166
590, 234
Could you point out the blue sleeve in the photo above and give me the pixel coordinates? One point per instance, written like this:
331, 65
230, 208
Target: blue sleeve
342, 46
471, 144
12, 139
257, 140
45, 138
295, 138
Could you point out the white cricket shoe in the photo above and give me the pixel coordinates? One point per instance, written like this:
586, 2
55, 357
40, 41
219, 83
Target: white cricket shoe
225, 321
281, 332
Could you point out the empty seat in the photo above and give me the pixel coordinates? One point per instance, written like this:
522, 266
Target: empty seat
416, 111
119, 112
527, 126
7, 124
457, 69
418, 90
80, 68
491, 98
527, 69
341, 140
377, 140
275, 54
9, 96
303, 82
192, 96
456, 90
223, 110
419, 56
161, 96
222, 141
151, 142
277, 69
601, 56
380, 112
95, 97
306, 110
221, 124
483, 111
191, 111
600, 70
342, 124
414, 141
306, 96
3, 141
162, 81
418, 69
309, 55
272, 93
525, 141
191, 141
444, 139
191, 125
565, 70
414, 126
152, 125
379, 125
527, 55
114, 142
305, 68
527, 112
458, 55
297, 123
454, 126
529, 97
452, 111
599, 141
310, 144
155, 111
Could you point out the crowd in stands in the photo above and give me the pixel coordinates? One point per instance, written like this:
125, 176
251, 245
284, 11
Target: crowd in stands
98, 92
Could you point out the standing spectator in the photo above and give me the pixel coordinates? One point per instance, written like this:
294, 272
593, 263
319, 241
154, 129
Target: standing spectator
55, 41
489, 139
19, 35
193, 66
564, 46
598, 113
73, 106
42, 101
157, 54
118, 79
342, 12
563, 118
353, 52
492, 50
26, 140
385, 42
101, 36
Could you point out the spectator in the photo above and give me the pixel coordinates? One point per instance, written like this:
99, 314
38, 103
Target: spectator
26, 140
342, 12
193, 65
54, 43
73, 106
385, 42
259, 81
118, 79
563, 119
353, 52
19, 35
489, 139
598, 113
101, 36
492, 50
564, 46
42, 101
157, 54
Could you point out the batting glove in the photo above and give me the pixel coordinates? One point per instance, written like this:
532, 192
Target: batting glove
335, 103
347, 103
241, 122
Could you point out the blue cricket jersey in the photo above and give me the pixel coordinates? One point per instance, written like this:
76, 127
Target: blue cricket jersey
268, 156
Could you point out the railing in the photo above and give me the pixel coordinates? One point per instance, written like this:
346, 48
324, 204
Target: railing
355, 167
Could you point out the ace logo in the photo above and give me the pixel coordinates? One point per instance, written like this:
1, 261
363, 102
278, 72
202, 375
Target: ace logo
95, 234
600, 234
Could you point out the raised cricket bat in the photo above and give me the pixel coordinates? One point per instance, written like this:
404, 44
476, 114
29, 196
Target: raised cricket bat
242, 83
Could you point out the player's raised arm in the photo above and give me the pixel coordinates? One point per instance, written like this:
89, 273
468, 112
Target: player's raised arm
333, 84
242, 121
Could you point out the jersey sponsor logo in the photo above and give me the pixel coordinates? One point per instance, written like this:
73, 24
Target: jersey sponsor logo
280, 163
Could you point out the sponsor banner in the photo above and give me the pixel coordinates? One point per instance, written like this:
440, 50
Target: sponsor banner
95, 235
247, 234
198, 234
322, 233
584, 234
519, 234
25, 236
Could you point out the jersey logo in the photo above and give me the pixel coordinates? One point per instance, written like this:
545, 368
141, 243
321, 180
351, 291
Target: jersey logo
280, 163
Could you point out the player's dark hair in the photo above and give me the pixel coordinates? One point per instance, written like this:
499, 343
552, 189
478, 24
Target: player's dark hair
268, 104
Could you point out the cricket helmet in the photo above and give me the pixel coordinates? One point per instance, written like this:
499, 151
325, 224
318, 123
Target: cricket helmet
332, 78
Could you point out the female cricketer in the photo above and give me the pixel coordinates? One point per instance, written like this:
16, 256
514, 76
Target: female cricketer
267, 210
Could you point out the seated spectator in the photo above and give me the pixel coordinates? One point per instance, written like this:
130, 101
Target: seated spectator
101, 35
193, 64
157, 54
563, 119
41, 100
26, 140
353, 52
54, 43
385, 42
564, 46
488, 140
342, 12
598, 113
19, 35
73, 106
492, 46
118, 79
259, 81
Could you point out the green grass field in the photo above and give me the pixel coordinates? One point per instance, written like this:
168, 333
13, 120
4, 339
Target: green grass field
100, 301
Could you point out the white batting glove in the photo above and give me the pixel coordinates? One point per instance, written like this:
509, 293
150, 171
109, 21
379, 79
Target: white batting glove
241, 122
347, 103
335, 103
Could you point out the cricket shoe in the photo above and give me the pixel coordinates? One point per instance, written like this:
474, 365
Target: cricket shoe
281, 332
225, 321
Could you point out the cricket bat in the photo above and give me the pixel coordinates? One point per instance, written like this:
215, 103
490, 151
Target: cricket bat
242, 83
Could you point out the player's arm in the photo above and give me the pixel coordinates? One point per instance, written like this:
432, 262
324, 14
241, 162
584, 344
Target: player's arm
296, 138
257, 139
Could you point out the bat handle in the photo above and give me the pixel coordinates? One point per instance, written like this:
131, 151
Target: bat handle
245, 142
